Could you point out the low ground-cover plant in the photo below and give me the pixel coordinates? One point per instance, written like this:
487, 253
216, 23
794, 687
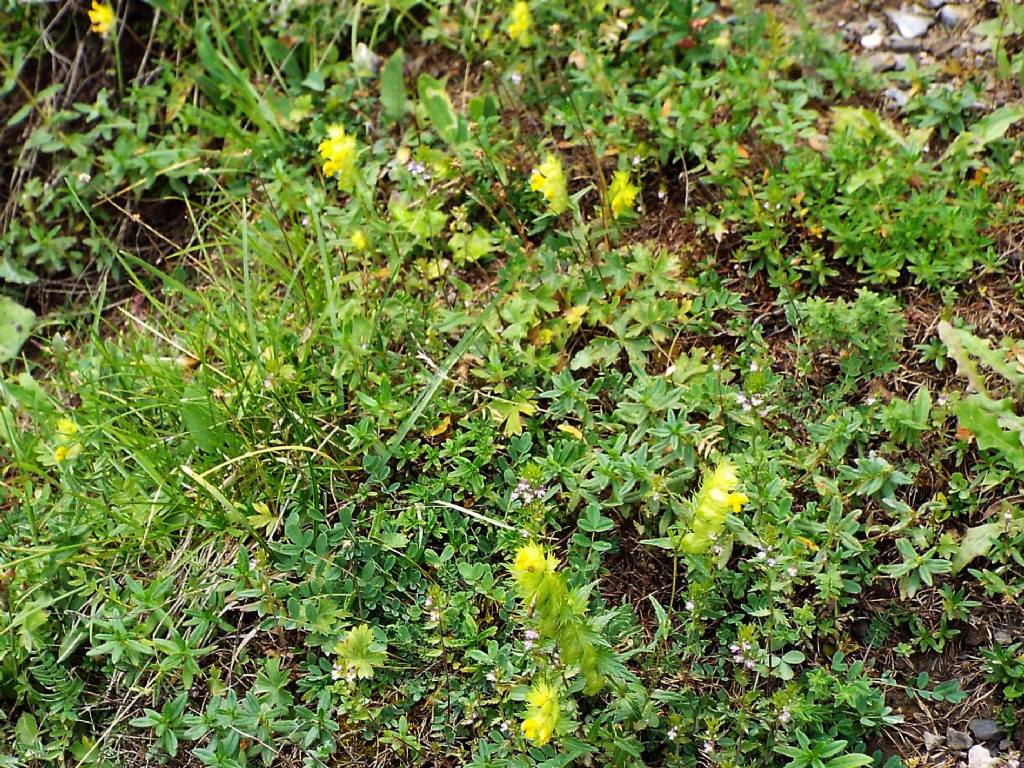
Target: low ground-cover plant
529, 387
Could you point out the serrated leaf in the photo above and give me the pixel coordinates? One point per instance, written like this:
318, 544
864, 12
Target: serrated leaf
985, 418
360, 651
600, 352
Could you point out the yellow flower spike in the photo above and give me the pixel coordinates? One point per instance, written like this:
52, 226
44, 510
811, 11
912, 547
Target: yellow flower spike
621, 193
717, 495
531, 558
102, 17
542, 715
520, 23
549, 179
338, 154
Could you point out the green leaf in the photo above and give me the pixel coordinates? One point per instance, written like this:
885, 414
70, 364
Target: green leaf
200, 419
13, 273
511, 412
15, 326
392, 86
361, 651
985, 418
853, 760
439, 108
976, 543
600, 352
988, 129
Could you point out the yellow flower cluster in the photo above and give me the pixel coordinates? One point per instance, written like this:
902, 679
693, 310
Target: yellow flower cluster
716, 497
621, 193
549, 179
67, 447
542, 714
338, 153
520, 23
530, 567
102, 17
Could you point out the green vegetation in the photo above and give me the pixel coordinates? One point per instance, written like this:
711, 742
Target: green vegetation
409, 383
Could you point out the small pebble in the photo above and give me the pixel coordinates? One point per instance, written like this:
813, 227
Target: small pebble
958, 741
909, 24
902, 44
872, 40
955, 15
895, 98
979, 757
1002, 637
985, 729
932, 740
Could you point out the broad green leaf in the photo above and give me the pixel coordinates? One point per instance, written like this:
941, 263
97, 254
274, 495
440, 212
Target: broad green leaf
15, 326
976, 543
985, 418
439, 108
392, 86
988, 129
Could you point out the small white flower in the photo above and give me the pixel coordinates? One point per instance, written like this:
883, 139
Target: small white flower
636, 160
771, 562
784, 716
84, 178
515, 77
792, 571
689, 605
672, 733
491, 677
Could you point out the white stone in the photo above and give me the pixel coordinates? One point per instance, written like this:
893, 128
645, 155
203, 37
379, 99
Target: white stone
872, 40
909, 24
979, 757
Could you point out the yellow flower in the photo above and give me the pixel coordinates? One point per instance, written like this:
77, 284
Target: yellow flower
621, 193
542, 715
533, 569
66, 427
520, 22
64, 452
338, 152
736, 501
102, 17
549, 180
717, 495
531, 558
359, 240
